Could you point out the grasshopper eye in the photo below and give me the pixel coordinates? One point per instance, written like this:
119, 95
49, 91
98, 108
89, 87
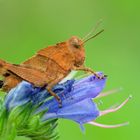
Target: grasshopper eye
74, 42
76, 46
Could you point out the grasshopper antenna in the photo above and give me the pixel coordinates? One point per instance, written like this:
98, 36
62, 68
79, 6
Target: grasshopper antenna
93, 36
93, 29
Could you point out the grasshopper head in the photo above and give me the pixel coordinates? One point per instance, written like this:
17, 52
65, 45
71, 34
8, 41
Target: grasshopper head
76, 45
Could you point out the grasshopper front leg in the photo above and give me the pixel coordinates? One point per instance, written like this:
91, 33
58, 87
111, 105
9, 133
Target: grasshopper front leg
88, 70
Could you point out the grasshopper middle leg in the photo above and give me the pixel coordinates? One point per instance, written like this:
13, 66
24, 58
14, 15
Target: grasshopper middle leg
49, 89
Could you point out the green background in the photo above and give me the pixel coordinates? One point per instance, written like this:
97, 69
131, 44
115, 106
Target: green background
29, 25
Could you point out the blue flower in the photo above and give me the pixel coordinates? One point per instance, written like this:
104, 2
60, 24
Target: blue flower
76, 95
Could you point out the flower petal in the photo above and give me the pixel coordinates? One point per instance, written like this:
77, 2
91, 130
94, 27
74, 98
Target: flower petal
18, 95
25, 92
80, 112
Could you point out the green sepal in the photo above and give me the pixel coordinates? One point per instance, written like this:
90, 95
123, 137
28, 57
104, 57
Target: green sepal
9, 132
22, 121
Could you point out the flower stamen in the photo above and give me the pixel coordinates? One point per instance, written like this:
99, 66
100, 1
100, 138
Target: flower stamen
103, 94
116, 108
107, 126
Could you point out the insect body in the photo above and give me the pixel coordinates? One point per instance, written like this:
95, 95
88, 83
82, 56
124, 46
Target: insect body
48, 67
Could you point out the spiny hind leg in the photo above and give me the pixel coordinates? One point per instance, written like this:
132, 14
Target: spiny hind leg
10, 82
49, 89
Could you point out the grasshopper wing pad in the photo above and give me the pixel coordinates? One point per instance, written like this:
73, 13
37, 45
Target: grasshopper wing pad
36, 77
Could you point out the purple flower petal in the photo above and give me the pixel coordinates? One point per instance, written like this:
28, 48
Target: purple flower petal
80, 112
25, 92
18, 95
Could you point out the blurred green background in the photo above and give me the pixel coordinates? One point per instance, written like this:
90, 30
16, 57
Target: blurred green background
29, 25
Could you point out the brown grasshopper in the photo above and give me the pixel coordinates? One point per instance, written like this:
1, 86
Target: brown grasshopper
48, 67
